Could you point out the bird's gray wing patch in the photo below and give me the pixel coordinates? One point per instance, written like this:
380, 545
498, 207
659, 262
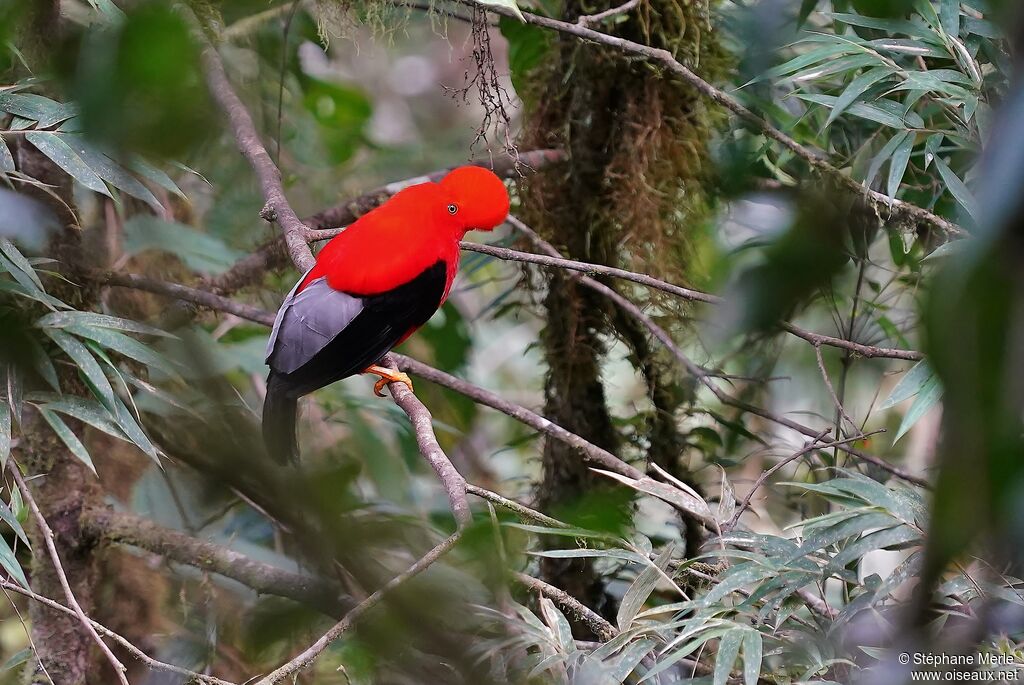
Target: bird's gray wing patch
307, 321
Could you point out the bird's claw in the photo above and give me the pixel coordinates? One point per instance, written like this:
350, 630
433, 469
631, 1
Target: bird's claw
388, 376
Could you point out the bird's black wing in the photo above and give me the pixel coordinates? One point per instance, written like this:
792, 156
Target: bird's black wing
323, 335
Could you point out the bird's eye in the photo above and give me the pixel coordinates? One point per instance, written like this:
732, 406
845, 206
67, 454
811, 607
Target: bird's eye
452, 209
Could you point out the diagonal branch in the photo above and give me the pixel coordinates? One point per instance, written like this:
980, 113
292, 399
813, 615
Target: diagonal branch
704, 378
816, 159
269, 176
316, 649
51, 548
152, 663
423, 427
135, 531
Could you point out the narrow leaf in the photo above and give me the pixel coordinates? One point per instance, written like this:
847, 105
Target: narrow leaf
5, 434
68, 437
753, 652
641, 588
728, 650
898, 164
61, 154
929, 396
9, 563
90, 368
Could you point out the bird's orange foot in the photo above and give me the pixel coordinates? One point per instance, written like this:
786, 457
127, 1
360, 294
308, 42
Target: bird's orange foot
387, 376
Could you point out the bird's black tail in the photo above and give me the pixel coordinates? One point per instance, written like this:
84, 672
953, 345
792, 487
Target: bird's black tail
280, 409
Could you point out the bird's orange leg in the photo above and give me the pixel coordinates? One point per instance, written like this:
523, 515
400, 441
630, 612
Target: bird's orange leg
387, 376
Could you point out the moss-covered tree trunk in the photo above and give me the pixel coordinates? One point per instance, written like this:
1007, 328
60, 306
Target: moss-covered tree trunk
635, 175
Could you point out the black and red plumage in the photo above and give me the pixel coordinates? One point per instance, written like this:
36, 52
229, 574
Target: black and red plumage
371, 288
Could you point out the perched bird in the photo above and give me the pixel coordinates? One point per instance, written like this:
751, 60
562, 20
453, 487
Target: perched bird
372, 286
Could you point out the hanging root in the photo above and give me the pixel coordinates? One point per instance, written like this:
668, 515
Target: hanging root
491, 94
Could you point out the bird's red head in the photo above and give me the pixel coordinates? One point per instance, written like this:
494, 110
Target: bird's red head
477, 199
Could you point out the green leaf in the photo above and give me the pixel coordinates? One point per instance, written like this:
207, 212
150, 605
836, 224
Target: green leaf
44, 111
881, 111
5, 434
77, 318
909, 385
806, 7
957, 188
18, 260
753, 652
51, 145
129, 347
85, 409
857, 88
88, 365
641, 588
134, 431
68, 437
9, 562
17, 659
884, 155
728, 651
898, 164
199, 251
154, 175
112, 172
927, 398
8, 517
6, 159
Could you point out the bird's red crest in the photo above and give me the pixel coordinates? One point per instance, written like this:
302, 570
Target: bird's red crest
479, 199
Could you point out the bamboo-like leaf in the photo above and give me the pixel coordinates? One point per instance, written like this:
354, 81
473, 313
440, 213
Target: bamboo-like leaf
927, 398
154, 175
8, 517
36, 108
728, 651
898, 164
88, 365
20, 263
911, 384
957, 188
127, 346
641, 588
9, 563
61, 154
68, 437
73, 318
857, 87
753, 653
6, 434
112, 172
6, 159
85, 409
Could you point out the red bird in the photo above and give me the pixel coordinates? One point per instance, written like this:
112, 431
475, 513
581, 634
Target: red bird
371, 288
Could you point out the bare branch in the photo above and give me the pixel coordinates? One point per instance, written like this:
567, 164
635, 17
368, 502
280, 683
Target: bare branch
51, 548
832, 393
592, 19
704, 378
521, 509
316, 649
815, 158
809, 447
423, 427
124, 642
136, 531
269, 176
563, 600
202, 298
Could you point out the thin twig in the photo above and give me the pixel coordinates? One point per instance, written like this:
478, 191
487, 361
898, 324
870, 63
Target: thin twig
706, 379
521, 509
809, 447
832, 392
51, 548
313, 651
124, 642
269, 176
592, 19
563, 600
817, 159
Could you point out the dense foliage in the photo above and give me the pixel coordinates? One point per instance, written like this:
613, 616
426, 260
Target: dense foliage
785, 446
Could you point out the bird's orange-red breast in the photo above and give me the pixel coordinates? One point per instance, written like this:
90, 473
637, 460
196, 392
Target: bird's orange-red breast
373, 286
